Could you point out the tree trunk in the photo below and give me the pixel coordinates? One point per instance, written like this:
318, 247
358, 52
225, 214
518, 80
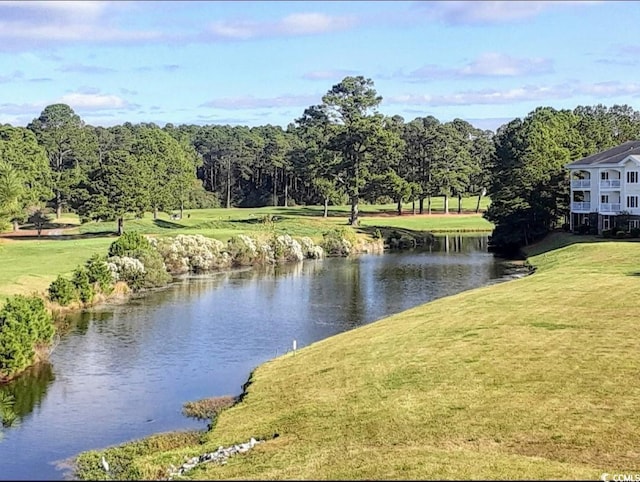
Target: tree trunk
120, 226
482, 193
181, 208
413, 206
421, 202
155, 212
399, 206
58, 205
429, 204
15, 226
326, 207
228, 183
286, 193
353, 220
446, 204
275, 191
459, 203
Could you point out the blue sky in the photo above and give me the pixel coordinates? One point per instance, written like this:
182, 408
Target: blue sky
257, 63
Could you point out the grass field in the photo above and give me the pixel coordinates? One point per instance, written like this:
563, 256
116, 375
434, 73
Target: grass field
531, 379
29, 265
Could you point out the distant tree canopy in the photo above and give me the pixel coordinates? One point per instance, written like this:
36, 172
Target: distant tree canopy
341, 150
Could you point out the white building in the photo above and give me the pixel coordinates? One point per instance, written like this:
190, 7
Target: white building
605, 185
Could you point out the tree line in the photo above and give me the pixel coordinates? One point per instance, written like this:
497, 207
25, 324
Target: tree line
339, 151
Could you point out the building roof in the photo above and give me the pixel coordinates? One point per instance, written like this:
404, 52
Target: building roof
610, 156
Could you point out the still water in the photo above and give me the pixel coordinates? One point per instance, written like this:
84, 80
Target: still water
124, 371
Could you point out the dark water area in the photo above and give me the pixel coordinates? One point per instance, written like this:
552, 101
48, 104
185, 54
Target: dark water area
124, 371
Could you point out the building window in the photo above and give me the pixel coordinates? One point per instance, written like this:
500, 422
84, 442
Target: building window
632, 176
632, 201
604, 199
604, 176
634, 224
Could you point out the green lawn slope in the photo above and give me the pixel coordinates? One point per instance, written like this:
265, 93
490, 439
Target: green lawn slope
535, 378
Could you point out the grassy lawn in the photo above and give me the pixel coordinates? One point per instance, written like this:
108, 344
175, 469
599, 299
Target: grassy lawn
29, 265
531, 379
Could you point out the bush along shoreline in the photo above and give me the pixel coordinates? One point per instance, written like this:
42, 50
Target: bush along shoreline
135, 263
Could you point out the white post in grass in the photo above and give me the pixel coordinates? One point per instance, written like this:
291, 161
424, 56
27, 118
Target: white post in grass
295, 345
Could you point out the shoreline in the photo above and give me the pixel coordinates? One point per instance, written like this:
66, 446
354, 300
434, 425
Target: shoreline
511, 266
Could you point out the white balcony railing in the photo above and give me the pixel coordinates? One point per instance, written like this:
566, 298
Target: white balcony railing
609, 207
610, 184
578, 183
581, 206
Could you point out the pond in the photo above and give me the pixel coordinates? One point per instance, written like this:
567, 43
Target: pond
124, 371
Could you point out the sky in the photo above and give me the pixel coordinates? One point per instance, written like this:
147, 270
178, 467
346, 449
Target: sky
257, 63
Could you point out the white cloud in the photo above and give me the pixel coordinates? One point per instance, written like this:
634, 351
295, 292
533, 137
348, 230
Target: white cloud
296, 24
336, 74
250, 102
490, 12
489, 64
39, 24
492, 63
519, 94
85, 101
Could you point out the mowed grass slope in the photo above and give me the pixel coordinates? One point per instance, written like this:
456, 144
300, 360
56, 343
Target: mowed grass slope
536, 378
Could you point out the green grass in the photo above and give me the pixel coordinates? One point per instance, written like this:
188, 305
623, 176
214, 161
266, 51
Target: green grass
30, 265
434, 223
536, 378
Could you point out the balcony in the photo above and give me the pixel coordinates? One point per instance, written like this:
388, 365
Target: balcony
610, 184
581, 207
609, 207
580, 183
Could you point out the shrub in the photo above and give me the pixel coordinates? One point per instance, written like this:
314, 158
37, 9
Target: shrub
310, 249
195, 253
83, 285
606, 233
339, 241
285, 249
635, 232
208, 408
127, 269
242, 249
127, 243
62, 291
582, 229
593, 230
155, 271
24, 324
99, 273
621, 235
566, 227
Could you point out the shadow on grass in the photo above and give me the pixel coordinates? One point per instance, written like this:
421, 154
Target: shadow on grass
52, 225
62, 237
560, 239
161, 223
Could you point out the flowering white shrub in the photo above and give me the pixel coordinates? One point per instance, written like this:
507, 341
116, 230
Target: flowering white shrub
243, 249
287, 249
310, 249
197, 253
335, 244
124, 268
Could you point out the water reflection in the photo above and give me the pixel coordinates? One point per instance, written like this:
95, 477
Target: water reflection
124, 371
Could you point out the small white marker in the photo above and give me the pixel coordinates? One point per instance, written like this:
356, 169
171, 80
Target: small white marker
295, 345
